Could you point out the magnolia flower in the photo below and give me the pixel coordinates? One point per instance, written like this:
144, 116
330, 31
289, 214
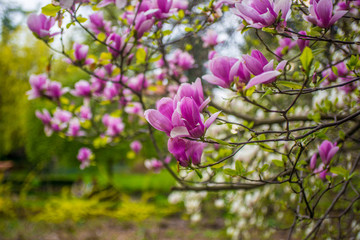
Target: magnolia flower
156, 165
62, 115
98, 24
142, 24
327, 150
82, 89
40, 25
285, 45
138, 82
114, 125
182, 59
321, 13
84, 156
118, 3
210, 39
44, 116
74, 128
80, 54
302, 43
222, 72
263, 70
262, 13
38, 84
136, 146
85, 113
186, 151
54, 90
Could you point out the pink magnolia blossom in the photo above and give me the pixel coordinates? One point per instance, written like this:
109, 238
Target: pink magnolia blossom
321, 13
40, 25
224, 71
85, 113
44, 116
143, 24
302, 43
38, 84
114, 125
210, 39
62, 115
118, 3
182, 59
54, 90
263, 70
156, 165
138, 82
285, 45
82, 89
186, 151
80, 54
327, 150
98, 24
136, 146
74, 128
84, 156
262, 13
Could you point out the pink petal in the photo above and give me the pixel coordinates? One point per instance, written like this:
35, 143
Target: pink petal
265, 77
211, 119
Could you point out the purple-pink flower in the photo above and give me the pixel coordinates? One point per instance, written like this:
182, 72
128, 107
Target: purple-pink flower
82, 89
321, 13
263, 70
80, 54
327, 150
38, 84
40, 25
136, 146
143, 24
84, 156
302, 43
210, 39
262, 13
98, 24
114, 125
186, 151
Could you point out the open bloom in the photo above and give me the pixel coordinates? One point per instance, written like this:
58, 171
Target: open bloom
98, 24
80, 54
222, 71
321, 13
54, 90
74, 128
40, 25
262, 13
114, 125
210, 39
38, 85
84, 156
263, 70
82, 89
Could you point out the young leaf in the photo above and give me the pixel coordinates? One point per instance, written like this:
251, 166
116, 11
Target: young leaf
306, 59
50, 10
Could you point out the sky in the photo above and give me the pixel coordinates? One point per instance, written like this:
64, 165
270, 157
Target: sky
30, 5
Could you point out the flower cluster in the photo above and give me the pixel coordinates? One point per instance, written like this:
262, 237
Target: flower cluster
226, 70
41, 86
181, 117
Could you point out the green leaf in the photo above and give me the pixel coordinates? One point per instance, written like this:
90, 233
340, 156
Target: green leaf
166, 32
140, 56
81, 19
189, 29
306, 59
219, 165
239, 167
278, 163
289, 84
230, 172
339, 171
155, 59
198, 172
50, 10
264, 168
181, 14
101, 36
